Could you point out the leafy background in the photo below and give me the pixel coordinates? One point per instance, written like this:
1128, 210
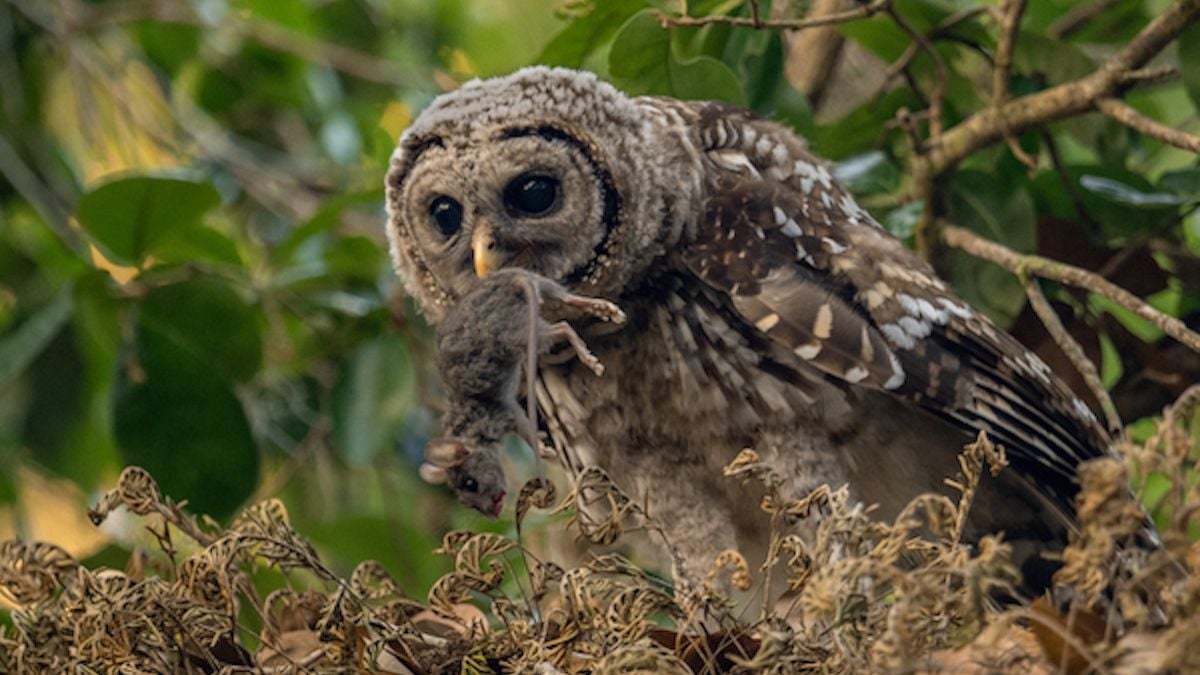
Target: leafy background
193, 275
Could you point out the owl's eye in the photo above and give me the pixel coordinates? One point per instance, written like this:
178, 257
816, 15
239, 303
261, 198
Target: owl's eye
470, 484
447, 214
531, 194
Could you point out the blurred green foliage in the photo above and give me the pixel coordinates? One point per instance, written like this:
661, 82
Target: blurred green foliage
193, 275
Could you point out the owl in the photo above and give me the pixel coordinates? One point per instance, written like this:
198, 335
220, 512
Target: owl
484, 344
765, 309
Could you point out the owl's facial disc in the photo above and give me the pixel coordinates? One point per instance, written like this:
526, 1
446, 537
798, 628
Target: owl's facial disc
522, 197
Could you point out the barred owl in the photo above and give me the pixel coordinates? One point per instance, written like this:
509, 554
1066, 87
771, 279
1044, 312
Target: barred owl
765, 308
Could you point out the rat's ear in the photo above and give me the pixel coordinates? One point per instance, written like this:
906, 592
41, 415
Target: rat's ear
434, 475
446, 452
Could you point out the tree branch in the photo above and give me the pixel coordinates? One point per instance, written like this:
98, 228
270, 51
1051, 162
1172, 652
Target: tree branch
1024, 265
1127, 115
1074, 352
1151, 75
1010, 22
1071, 98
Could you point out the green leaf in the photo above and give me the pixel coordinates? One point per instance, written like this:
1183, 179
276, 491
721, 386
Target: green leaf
372, 397
1189, 61
902, 221
19, 348
878, 35
291, 250
1184, 182
129, 218
586, 34
1191, 231
643, 60
202, 320
358, 260
191, 433
1141, 328
1056, 61
1111, 366
859, 130
1128, 195
868, 173
1001, 211
200, 243
1114, 197
169, 45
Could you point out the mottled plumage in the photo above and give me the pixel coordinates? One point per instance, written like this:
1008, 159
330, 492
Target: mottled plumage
766, 310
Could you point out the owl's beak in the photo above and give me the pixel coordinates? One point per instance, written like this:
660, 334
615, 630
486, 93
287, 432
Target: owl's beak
489, 256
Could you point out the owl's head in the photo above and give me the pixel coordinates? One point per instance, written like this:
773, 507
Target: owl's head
547, 169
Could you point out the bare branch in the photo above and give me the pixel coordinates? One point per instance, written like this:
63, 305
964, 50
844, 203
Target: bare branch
861, 12
1074, 352
1010, 22
1151, 75
1127, 115
1037, 266
914, 48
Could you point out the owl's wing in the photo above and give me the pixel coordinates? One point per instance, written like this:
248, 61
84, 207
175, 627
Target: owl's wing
802, 263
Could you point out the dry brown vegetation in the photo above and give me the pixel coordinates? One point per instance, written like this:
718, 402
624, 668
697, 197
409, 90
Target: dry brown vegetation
861, 595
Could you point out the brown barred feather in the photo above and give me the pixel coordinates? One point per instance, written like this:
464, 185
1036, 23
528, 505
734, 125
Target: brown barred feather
808, 268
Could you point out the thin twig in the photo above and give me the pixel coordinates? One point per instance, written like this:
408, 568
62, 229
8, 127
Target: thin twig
938, 94
1037, 266
901, 64
1074, 351
1064, 177
1130, 117
1151, 75
861, 12
1010, 24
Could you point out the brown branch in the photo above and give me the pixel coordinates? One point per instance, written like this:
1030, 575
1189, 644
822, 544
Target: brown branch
1074, 352
1065, 100
1010, 23
860, 12
1024, 265
1127, 115
1151, 75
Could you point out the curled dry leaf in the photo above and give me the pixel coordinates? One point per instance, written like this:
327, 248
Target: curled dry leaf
537, 493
